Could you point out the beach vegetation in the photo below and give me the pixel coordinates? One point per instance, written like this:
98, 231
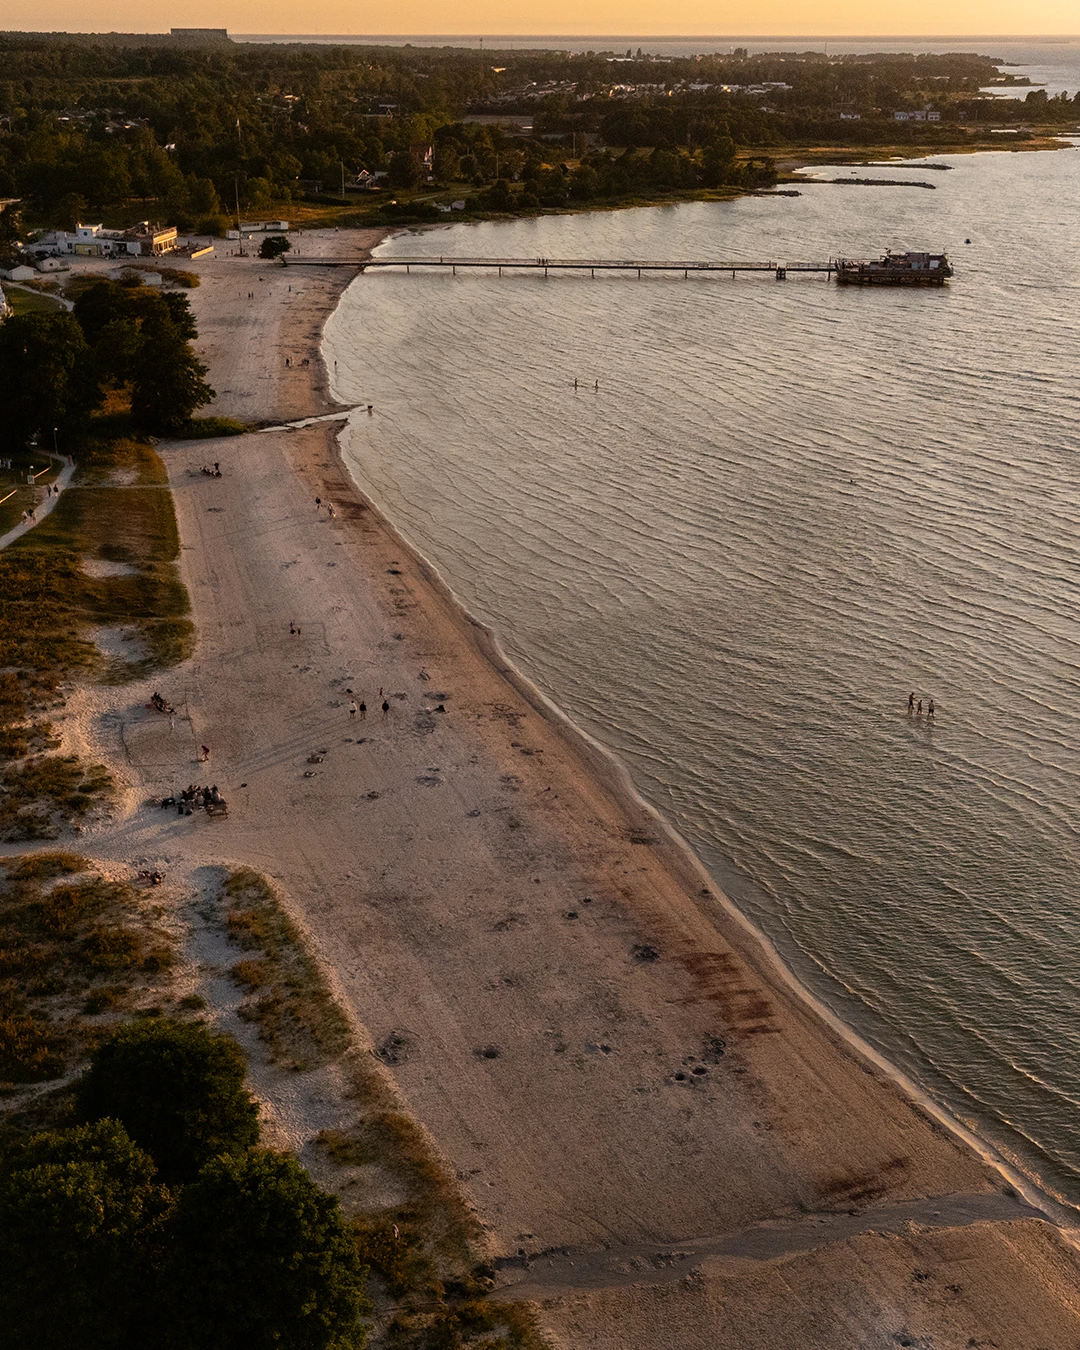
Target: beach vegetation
103, 559
209, 428
177, 1088
273, 246
72, 944
287, 996
81, 1223
260, 1257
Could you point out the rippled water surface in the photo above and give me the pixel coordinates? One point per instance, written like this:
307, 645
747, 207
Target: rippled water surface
788, 505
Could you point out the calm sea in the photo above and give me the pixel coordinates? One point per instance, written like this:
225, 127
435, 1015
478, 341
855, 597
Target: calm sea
787, 506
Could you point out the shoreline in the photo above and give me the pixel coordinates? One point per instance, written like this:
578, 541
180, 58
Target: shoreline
575, 1128
701, 887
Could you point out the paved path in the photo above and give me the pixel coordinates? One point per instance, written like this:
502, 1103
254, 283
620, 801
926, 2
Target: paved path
43, 508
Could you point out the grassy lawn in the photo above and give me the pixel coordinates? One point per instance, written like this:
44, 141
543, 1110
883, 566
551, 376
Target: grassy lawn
15, 480
24, 301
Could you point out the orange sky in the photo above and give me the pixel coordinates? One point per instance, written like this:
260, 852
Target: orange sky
630, 17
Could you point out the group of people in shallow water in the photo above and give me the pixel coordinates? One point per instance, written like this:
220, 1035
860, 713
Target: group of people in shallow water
917, 708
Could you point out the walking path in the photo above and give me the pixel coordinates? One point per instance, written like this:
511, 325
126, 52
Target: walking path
61, 481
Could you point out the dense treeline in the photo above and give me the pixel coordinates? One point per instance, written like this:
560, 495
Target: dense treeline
56, 369
117, 125
154, 1218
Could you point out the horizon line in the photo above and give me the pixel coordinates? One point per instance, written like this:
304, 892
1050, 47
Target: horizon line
649, 37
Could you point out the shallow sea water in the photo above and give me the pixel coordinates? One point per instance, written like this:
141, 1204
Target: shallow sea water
788, 505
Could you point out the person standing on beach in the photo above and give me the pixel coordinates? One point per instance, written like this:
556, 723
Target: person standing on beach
911, 702
363, 711
352, 708
930, 709
205, 755
918, 710
385, 707
318, 503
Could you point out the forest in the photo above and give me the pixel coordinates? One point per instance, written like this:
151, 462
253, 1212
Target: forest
121, 127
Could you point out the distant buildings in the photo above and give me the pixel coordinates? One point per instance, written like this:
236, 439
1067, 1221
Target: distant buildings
922, 115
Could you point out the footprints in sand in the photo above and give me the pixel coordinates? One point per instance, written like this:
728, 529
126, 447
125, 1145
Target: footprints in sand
397, 1047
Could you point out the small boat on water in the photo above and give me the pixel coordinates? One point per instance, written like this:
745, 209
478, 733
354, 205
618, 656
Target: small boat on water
895, 269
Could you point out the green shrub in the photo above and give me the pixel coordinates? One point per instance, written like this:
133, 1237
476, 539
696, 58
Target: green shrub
207, 428
80, 1223
262, 1259
177, 1088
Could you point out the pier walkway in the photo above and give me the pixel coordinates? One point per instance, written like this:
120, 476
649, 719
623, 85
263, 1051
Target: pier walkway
545, 265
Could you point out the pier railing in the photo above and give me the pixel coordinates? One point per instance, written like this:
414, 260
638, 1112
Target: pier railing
591, 265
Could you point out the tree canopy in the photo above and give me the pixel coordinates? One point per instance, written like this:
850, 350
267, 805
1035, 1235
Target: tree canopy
57, 368
274, 246
177, 1088
45, 378
81, 1224
262, 1259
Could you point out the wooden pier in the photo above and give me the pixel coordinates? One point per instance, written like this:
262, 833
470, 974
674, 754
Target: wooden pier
546, 265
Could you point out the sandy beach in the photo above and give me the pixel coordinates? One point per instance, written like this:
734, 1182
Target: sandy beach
665, 1144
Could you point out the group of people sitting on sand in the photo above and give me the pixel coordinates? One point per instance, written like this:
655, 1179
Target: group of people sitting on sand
156, 701
215, 472
195, 798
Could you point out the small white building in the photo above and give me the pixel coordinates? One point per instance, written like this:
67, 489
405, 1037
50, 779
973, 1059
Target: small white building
19, 273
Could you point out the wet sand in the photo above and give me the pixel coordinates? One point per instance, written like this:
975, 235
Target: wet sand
601, 1049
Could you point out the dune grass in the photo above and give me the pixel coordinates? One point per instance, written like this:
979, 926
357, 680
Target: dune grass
288, 998
73, 945
117, 510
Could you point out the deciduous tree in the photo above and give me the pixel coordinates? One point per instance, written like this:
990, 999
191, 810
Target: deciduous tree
81, 1221
261, 1259
177, 1088
46, 379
